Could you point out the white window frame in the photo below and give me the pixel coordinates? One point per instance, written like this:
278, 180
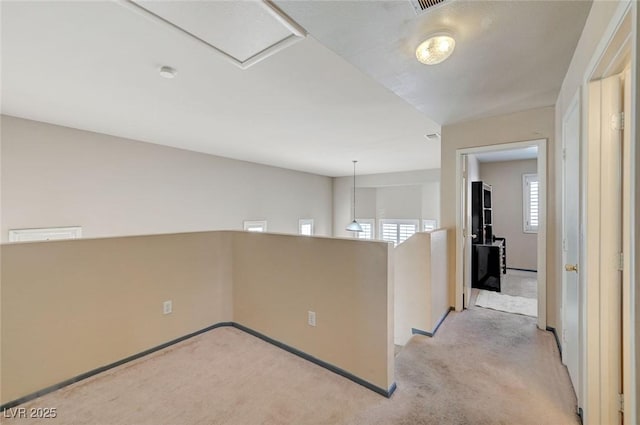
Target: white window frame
369, 221
527, 227
305, 222
397, 222
45, 234
250, 224
429, 224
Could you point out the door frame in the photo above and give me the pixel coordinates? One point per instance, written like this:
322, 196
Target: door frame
541, 144
617, 46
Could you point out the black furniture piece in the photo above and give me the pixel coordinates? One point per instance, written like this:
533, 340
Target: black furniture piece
488, 253
487, 266
481, 220
504, 253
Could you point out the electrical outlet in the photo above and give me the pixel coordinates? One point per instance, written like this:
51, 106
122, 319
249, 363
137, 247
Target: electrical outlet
167, 307
311, 318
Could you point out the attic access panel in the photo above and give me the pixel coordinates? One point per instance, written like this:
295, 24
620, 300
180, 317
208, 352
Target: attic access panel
243, 32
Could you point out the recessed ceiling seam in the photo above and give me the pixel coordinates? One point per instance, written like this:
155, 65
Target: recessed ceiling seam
297, 32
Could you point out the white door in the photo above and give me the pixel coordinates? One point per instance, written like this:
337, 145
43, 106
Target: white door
571, 243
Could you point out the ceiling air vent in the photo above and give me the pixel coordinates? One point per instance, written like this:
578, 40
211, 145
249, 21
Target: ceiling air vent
420, 6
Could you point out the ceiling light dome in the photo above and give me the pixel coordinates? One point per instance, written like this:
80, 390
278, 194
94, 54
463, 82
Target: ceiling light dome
435, 49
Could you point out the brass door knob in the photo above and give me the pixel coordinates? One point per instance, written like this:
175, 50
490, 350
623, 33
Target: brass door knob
571, 267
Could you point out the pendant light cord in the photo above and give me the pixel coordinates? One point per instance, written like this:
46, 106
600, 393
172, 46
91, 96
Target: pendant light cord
354, 190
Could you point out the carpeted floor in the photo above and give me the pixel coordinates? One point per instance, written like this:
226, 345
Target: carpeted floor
482, 367
507, 303
520, 283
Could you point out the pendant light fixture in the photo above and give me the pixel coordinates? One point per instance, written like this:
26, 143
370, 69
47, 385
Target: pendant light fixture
354, 226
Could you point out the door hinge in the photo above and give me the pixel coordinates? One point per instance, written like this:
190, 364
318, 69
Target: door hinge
621, 402
564, 153
621, 261
617, 121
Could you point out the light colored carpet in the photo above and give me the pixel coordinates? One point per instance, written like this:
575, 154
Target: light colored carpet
507, 303
482, 367
519, 283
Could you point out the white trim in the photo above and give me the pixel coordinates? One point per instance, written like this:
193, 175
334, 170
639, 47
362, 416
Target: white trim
542, 232
527, 179
45, 234
247, 225
297, 32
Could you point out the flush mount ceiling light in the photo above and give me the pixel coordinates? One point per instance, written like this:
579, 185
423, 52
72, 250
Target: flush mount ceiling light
168, 72
435, 49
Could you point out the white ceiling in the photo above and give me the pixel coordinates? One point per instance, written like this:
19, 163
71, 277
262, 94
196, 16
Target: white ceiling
94, 66
510, 55
530, 152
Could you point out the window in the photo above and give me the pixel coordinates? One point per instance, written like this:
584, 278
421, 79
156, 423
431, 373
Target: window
255, 226
48, 234
368, 228
530, 190
397, 231
305, 226
429, 225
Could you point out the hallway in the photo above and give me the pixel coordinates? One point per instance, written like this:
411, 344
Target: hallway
482, 367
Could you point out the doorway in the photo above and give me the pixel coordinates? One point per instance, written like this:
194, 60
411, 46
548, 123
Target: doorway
469, 255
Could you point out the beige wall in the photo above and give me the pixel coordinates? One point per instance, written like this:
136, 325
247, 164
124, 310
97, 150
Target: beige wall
520, 126
411, 279
410, 194
421, 284
366, 202
505, 177
431, 201
57, 176
636, 214
72, 306
69, 307
399, 202
279, 278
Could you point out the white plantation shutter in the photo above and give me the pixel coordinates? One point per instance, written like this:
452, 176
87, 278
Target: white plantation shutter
305, 229
305, 226
428, 225
531, 191
390, 232
405, 231
397, 231
255, 226
48, 234
367, 229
